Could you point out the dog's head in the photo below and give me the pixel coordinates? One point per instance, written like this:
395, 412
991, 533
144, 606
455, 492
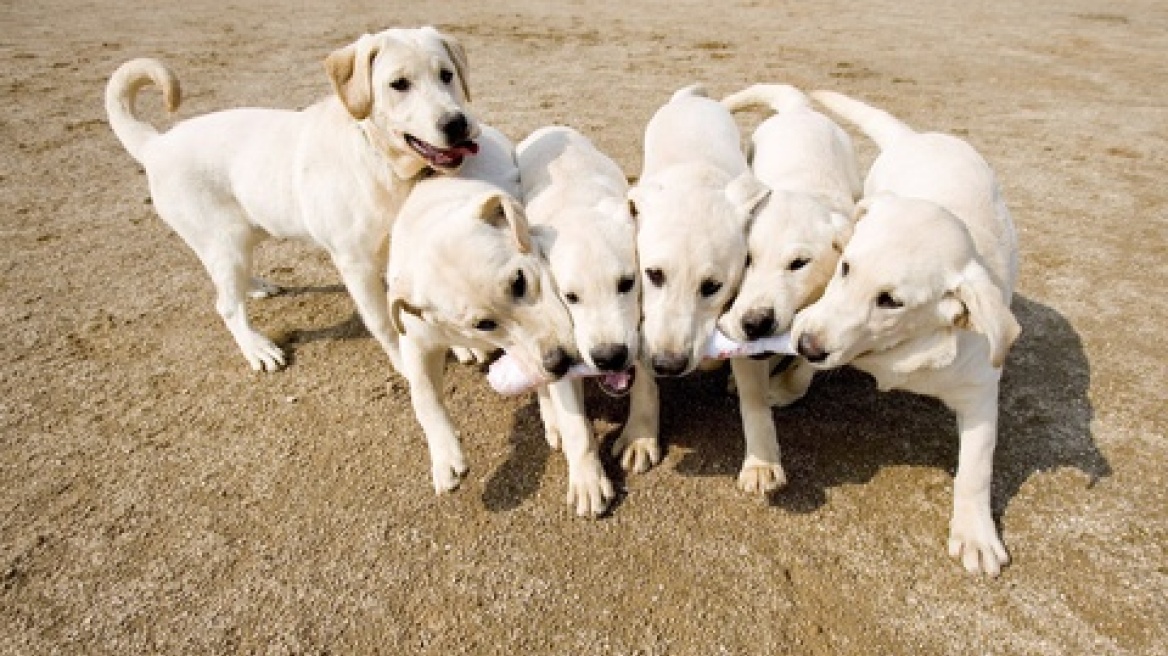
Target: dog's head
465, 271
794, 244
909, 280
692, 224
409, 89
594, 262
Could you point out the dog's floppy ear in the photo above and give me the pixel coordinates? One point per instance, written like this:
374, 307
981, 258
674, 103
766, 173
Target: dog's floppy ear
397, 305
747, 192
351, 71
843, 230
497, 209
457, 55
986, 311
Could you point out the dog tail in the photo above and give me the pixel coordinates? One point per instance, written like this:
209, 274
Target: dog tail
697, 89
122, 90
778, 97
882, 127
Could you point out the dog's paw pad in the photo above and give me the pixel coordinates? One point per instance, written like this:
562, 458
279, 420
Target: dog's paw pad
637, 455
761, 479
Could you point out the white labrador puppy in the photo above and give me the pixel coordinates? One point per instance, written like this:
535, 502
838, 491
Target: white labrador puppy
334, 173
795, 239
694, 202
466, 271
921, 297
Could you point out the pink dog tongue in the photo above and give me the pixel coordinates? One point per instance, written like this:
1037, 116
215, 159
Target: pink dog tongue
446, 156
616, 384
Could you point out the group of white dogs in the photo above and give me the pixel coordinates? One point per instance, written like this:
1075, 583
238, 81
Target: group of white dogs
449, 237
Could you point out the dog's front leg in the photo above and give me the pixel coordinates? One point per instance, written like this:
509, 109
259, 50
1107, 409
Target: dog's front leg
589, 489
424, 367
638, 446
762, 471
973, 537
547, 412
790, 384
362, 273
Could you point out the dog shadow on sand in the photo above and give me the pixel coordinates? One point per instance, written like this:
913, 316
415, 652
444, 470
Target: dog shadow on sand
845, 431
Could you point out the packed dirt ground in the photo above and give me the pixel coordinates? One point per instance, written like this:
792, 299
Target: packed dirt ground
158, 497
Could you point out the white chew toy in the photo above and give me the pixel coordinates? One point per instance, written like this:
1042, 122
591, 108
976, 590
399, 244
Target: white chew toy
507, 376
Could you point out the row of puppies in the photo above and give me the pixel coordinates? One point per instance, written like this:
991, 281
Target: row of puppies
467, 270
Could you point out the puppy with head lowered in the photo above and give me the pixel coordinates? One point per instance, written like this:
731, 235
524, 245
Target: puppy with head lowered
693, 203
921, 299
335, 173
577, 200
466, 271
795, 239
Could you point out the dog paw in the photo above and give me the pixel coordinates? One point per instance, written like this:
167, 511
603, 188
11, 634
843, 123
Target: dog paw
261, 288
976, 544
589, 489
261, 353
448, 475
760, 478
637, 454
552, 435
469, 355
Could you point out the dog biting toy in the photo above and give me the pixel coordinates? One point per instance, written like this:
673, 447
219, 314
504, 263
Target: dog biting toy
508, 377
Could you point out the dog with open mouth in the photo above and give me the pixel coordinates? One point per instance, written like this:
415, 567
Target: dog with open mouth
693, 203
335, 173
920, 299
506, 301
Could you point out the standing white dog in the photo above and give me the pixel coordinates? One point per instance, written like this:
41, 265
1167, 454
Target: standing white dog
694, 202
466, 271
921, 297
335, 173
795, 239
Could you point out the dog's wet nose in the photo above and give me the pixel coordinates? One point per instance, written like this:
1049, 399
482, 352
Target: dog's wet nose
758, 323
670, 364
557, 362
810, 348
456, 128
610, 357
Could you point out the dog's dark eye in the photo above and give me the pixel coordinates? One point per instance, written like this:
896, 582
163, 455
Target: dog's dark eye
749, 260
844, 268
798, 263
625, 284
886, 301
446, 75
485, 325
400, 84
656, 276
519, 285
709, 287
571, 298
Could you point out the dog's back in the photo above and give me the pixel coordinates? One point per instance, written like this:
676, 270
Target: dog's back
940, 168
693, 128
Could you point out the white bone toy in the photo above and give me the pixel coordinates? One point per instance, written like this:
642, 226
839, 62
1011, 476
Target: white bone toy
507, 376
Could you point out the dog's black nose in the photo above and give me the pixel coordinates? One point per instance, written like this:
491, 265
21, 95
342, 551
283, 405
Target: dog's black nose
610, 357
557, 362
456, 129
758, 322
670, 364
810, 348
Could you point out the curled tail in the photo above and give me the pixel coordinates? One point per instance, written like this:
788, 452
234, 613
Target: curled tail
697, 89
882, 127
122, 90
778, 97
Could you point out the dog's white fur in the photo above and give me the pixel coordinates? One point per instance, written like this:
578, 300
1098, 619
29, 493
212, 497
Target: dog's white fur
694, 201
334, 173
796, 237
457, 251
579, 198
921, 297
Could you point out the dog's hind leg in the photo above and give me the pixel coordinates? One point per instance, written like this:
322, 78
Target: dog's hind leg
230, 269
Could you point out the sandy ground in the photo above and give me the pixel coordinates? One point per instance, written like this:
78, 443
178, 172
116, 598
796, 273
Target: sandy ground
157, 497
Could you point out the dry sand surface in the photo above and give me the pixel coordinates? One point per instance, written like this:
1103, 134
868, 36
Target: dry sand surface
158, 497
